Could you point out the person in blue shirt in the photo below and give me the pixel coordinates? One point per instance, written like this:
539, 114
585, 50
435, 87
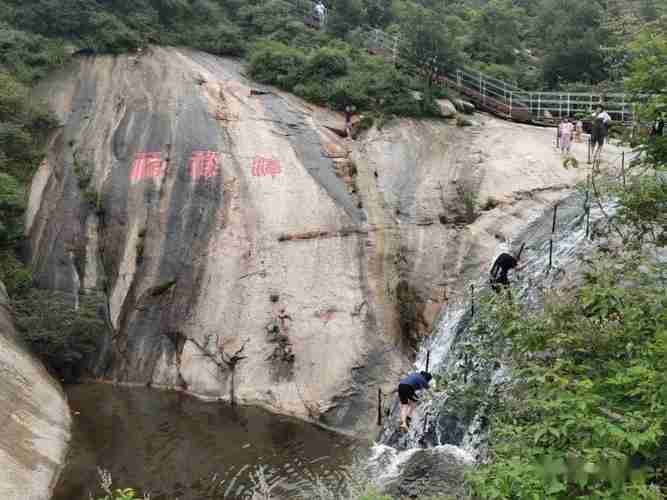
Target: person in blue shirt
407, 394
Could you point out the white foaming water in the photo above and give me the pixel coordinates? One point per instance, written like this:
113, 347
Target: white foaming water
386, 463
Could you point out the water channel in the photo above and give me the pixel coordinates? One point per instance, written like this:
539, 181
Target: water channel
180, 448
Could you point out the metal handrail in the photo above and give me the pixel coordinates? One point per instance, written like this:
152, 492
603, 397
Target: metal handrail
503, 97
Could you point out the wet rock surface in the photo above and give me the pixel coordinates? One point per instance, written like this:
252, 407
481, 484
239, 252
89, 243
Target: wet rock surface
418, 473
35, 419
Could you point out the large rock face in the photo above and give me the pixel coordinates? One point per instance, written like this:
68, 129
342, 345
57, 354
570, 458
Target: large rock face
214, 217
35, 419
219, 215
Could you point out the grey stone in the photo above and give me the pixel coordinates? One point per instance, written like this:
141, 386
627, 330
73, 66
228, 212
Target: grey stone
36, 420
464, 106
430, 472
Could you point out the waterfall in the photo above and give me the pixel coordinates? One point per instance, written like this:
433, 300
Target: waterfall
439, 428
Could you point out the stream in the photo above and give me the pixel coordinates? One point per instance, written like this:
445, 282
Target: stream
448, 436
178, 447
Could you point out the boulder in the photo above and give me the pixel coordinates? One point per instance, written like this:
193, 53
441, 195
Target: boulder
36, 420
462, 121
464, 106
417, 473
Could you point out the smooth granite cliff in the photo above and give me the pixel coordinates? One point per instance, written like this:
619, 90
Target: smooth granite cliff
249, 251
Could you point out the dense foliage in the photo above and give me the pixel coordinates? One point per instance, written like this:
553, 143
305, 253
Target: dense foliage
643, 209
58, 329
586, 413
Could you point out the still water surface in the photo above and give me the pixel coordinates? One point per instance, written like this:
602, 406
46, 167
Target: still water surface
177, 447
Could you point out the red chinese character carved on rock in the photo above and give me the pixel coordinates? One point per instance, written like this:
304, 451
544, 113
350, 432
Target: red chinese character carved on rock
204, 164
146, 165
265, 166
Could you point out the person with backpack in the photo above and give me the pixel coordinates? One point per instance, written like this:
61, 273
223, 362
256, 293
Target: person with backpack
407, 394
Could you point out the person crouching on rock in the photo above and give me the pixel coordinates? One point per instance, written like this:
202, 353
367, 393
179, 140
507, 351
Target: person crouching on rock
502, 265
407, 394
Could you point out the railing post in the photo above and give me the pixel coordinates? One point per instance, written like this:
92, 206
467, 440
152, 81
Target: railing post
551, 239
623, 167
623, 109
569, 113
587, 211
590, 107
539, 114
510, 108
530, 103
379, 406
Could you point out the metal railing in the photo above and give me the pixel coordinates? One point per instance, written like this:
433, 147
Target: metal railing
506, 99
492, 94
509, 101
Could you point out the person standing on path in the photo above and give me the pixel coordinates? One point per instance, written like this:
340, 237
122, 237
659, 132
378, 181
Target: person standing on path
407, 394
600, 129
566, 128
320, 13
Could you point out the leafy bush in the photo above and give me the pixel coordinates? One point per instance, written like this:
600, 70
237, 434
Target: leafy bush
14, 274
276, 64
586, 414
12, 205
326, 64
221, 39
56, 332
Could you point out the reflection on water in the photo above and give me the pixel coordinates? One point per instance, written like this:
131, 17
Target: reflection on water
178, 447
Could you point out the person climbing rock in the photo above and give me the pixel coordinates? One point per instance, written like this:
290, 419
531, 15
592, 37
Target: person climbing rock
600, 129
504, 262
407, 394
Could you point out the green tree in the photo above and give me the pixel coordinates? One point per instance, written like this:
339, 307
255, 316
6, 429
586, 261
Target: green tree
495, 33
344, 16
571, 39
643, 200
379, 13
